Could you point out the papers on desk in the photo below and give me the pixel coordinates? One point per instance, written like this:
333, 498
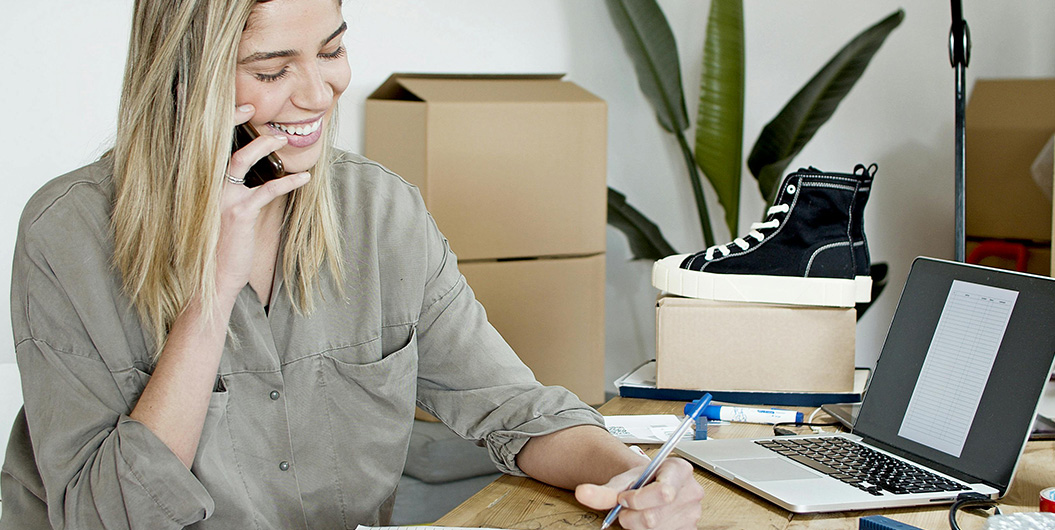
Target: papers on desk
644, 429
641, 383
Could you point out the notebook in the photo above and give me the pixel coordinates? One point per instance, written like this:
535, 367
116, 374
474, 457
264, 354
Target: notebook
954, 392
641, 383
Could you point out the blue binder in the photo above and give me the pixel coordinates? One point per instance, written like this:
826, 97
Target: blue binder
641, 383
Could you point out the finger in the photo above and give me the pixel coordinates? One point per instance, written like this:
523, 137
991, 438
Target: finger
681, 513
641, 519
670, 477
596, 497
681, 517
244, 158
270, 190
604, 496
243, 113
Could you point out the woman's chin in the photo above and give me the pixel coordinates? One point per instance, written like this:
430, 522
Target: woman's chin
296, 162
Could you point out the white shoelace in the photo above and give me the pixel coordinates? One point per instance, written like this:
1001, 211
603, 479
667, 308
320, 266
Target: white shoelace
755, 233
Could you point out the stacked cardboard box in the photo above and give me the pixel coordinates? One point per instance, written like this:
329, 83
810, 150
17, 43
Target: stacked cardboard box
753, 347
513, 169
1008, 123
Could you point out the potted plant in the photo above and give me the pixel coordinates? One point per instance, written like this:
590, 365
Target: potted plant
718, 150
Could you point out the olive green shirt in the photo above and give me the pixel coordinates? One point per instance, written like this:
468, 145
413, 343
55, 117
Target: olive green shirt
309, 423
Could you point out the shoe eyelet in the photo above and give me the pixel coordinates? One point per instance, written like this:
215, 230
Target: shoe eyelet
790, 189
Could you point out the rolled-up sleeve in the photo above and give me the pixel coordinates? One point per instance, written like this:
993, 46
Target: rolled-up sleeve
99, 468
471, 379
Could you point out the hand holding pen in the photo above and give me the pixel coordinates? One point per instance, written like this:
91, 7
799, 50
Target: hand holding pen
650, 472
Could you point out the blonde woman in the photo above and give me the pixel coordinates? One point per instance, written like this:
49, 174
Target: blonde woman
199, 353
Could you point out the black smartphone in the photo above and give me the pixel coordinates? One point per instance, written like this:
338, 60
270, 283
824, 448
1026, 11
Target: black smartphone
844, 413
1043, 429
267, 168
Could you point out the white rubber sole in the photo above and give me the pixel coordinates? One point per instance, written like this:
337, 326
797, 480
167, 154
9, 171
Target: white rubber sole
667, 275
863, 286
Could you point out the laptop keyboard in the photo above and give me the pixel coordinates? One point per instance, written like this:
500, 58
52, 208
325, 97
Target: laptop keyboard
860, 466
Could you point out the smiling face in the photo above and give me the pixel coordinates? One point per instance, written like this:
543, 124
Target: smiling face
292, 67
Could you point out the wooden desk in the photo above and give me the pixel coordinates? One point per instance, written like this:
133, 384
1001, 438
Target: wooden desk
526, 504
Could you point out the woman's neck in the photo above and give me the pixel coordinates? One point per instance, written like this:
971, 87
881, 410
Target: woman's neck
266, 246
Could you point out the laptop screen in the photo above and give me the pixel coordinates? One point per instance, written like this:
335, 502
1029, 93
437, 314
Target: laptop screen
965, 361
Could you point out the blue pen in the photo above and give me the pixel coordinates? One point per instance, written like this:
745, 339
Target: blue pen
664, 451
749, 415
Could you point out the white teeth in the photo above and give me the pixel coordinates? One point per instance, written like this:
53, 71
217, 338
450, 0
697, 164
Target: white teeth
302, 130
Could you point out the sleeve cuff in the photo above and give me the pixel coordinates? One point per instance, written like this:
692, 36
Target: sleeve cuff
504, 445
161, 474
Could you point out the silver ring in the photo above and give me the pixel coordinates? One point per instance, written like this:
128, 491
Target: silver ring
233, 180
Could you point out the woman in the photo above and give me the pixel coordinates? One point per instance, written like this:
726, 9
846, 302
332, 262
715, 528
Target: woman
195, 352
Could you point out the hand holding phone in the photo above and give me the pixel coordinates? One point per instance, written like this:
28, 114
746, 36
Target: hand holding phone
265, 169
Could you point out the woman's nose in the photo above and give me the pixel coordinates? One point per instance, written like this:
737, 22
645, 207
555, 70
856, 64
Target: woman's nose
314, 91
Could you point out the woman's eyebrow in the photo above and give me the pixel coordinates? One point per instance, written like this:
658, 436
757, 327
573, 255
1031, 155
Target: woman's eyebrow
263, 56
344, 26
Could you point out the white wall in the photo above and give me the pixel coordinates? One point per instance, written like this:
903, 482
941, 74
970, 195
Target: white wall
63, 61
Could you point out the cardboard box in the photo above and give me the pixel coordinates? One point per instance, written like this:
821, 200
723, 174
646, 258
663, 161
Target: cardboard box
1008, 123
510, 166
551, 311
711, 345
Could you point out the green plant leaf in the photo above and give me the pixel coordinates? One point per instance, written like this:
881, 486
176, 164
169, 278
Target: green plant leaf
795, 125
720, 116
650, 43
646, 241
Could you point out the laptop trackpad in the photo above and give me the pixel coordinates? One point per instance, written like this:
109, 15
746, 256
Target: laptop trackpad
758, 469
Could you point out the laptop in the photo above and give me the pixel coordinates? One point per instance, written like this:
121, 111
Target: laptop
948, 410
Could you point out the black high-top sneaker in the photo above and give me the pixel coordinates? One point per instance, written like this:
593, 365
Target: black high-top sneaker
810, 250
862, 260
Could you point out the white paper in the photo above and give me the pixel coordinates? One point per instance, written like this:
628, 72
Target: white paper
643, 376
961, 355
644, 428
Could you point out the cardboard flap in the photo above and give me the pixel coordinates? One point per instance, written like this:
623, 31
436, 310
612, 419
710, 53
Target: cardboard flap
1023, 104
477, 88
392, 89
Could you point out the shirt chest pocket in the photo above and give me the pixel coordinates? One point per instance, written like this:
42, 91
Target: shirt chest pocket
392, 340
382, 372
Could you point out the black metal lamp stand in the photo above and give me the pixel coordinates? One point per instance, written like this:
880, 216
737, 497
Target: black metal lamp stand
959, 56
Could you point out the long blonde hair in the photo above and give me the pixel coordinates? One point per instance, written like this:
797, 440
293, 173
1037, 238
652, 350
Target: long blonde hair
174, 134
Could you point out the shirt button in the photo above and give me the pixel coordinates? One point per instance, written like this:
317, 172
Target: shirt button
274, 395
283, 465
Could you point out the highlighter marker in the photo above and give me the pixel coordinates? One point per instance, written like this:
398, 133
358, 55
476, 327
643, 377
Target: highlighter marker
750, 415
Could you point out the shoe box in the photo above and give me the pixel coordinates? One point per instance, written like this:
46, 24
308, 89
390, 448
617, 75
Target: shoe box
741, 346
1009, 122
513, 169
